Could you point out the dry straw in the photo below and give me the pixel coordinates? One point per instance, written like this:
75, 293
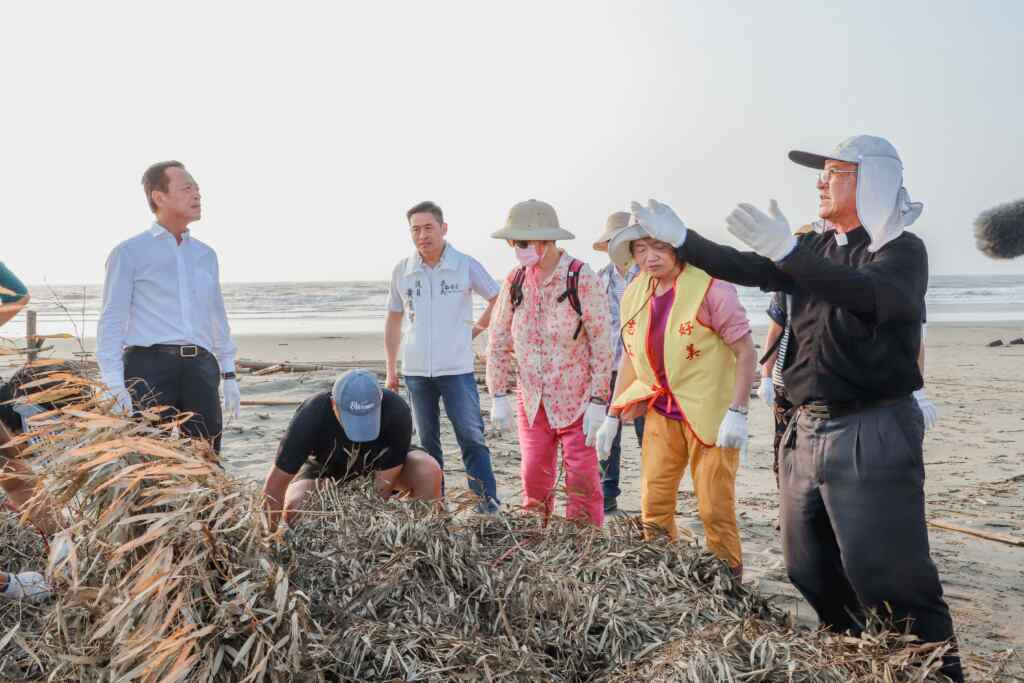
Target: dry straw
173, 576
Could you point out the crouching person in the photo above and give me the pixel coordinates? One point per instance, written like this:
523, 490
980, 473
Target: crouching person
338, 435
688, 367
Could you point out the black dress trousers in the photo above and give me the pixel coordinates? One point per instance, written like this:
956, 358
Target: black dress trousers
164, 375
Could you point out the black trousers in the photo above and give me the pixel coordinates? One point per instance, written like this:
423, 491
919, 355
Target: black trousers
160, 376
853, 525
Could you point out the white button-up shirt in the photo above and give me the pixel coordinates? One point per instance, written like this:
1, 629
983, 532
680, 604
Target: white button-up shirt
615, 287
438, 307
160, 292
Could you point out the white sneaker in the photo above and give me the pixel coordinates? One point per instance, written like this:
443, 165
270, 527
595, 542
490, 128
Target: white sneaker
30, 586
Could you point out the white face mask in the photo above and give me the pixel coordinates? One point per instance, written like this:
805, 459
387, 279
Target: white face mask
527, 257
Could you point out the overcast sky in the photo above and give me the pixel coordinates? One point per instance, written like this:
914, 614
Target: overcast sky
311, 127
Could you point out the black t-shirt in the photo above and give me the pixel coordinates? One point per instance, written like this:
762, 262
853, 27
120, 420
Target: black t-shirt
316, 433
856, 315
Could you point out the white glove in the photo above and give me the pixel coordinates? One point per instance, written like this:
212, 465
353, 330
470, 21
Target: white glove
501, 414
733, 432
769, 236
766, 392
606, 436
232, 402
123, 399
928, 409
28, 586
660, 222
592, 420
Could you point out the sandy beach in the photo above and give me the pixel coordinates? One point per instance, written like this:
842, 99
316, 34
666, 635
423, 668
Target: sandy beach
974, 458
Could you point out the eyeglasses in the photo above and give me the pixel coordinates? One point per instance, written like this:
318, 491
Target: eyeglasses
826, 175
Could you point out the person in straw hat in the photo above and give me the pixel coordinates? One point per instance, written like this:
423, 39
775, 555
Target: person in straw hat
851, 465
614, 278
551, 323
688, 367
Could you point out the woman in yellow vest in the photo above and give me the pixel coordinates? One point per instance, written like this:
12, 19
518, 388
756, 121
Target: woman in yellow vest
688, 368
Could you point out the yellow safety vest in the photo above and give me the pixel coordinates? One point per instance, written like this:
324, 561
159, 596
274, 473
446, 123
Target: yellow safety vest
700, 367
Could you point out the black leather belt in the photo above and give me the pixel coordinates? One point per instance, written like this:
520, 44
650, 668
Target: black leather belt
186, 351
826, 411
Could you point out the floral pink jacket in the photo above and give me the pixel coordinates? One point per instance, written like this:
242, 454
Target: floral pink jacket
553, 367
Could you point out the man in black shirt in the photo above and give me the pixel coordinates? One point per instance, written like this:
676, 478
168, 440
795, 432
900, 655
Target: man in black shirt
338, 435
851, 467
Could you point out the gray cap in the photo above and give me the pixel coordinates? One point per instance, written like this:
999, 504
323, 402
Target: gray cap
852, 150
358, 397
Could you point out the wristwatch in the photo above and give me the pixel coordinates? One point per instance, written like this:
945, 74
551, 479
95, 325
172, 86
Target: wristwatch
598, 400
228, 375
741, 411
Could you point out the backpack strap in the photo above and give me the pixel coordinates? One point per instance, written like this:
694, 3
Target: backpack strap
516, 292
572, 292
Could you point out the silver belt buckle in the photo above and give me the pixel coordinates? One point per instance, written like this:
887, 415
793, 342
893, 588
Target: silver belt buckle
190, 351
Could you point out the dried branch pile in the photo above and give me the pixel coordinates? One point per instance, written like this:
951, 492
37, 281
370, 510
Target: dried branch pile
173, 577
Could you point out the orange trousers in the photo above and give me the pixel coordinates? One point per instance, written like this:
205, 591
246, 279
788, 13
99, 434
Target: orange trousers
668, 447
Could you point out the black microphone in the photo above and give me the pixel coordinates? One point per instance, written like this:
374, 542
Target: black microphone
1000, 230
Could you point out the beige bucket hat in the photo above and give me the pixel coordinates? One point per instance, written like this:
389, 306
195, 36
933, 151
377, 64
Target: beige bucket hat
533, 220
616, 222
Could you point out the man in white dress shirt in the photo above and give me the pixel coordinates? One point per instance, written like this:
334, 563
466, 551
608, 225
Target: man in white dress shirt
163, 336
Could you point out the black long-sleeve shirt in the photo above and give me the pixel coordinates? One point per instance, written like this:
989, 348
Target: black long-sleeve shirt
856, 315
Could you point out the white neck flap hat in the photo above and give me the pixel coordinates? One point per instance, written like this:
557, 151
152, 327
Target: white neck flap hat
883, 204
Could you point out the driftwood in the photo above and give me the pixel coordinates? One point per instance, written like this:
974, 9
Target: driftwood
987, 535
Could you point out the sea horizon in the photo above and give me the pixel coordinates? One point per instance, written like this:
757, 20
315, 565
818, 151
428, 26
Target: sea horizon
359, 306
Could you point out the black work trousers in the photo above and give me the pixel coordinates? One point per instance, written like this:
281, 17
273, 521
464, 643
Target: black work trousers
854, 535
159, 375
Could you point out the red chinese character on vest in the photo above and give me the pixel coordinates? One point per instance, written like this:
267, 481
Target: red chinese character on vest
686, 329
691, 352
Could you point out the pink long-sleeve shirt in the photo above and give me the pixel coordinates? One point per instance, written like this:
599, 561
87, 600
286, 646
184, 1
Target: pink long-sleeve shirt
553, 368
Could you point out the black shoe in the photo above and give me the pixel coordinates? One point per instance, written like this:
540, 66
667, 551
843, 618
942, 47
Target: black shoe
610, 505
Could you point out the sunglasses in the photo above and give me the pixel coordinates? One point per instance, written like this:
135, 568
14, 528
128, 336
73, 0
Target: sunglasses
522, 244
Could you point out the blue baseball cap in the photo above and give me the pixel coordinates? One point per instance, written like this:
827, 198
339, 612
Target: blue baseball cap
358, 397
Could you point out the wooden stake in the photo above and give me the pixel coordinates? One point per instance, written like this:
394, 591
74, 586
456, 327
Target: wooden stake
30, 335
987, 535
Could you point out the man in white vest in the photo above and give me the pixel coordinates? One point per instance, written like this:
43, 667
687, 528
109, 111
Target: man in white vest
433, 291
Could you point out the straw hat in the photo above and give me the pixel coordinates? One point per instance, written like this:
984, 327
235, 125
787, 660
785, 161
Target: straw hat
533, 220
617, 221
618, 247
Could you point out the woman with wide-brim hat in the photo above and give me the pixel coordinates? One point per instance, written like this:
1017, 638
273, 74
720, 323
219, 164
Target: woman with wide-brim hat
551, 321
687, 368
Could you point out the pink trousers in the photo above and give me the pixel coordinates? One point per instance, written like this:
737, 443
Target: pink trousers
539, 445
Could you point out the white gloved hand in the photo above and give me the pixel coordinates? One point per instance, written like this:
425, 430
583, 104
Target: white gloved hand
232, 401
766, 392
122, 400
733, 432
28, 586
660, 222
606, 436
770, 236
501, 414
928, 409
592, 420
